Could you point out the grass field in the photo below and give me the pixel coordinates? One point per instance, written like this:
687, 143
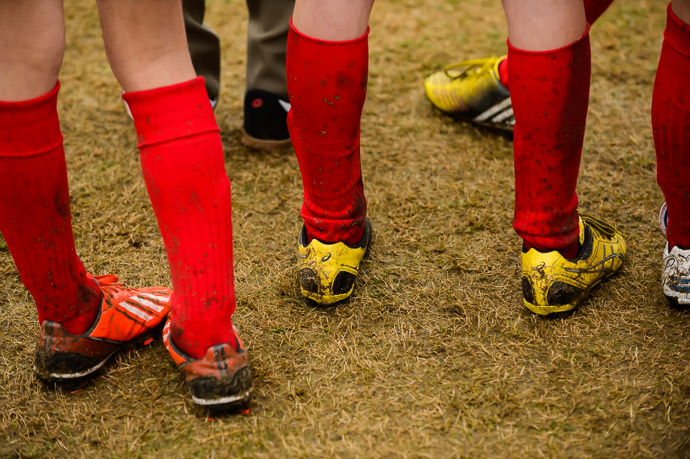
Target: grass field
434, 355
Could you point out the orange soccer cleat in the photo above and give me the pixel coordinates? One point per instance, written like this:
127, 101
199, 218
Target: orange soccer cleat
219, 380
126, 317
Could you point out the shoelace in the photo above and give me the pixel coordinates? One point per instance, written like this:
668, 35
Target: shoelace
106, 280
472, 67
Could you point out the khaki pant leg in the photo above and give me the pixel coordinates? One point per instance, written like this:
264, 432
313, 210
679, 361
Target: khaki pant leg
204, 45
269, 22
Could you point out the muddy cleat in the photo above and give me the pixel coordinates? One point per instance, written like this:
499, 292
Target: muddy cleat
221, 379
327, 272
126, 317
472, 89
675, 276
551, 283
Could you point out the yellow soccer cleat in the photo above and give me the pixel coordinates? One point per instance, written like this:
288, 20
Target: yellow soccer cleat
327, 272
551, 283
472, 89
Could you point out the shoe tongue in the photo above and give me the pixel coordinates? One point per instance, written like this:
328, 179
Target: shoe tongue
581, 236
663, 218
105, 279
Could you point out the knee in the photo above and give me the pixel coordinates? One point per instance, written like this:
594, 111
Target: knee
30, 67
46, 58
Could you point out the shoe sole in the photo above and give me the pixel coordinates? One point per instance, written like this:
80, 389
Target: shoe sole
547, 310
674, 303
56, 377
261, 144
240, 382
92, 371
677, 302
223, 402
321, 301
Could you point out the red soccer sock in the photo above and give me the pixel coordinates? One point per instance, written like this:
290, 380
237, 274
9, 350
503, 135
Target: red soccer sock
35, 215
182, 160
550, 93
327, 84
671, 127
503, 72
593, 10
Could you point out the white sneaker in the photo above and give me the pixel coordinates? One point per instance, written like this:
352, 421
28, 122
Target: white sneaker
675, 277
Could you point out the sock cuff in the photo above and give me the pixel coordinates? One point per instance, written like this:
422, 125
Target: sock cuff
580, 41
171, 112
536, 65
320, 41
30, 127
677, 33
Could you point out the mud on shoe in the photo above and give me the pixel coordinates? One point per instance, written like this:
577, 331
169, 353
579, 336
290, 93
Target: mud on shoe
221, 379
551, 283
126, 317
473, 90
327, 272
675, 275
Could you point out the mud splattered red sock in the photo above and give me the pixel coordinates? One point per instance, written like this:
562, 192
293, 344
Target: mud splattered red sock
327, 83
593, 10
550, 93
182, 160
671, 127
35, 213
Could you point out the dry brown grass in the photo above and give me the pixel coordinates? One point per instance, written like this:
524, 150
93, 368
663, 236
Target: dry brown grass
434, 355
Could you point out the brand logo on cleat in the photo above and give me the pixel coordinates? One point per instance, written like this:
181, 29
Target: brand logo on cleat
540, 268
325, 258
498, 116
286, 105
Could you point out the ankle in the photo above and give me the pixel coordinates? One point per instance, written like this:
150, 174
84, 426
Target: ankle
86, 317
194, 337
568, 252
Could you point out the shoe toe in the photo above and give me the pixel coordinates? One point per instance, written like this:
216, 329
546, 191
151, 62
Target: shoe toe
563, 294
308, 280
343, 283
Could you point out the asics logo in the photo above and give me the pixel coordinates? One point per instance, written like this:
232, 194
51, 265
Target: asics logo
325, 258
540, 268
595, 267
